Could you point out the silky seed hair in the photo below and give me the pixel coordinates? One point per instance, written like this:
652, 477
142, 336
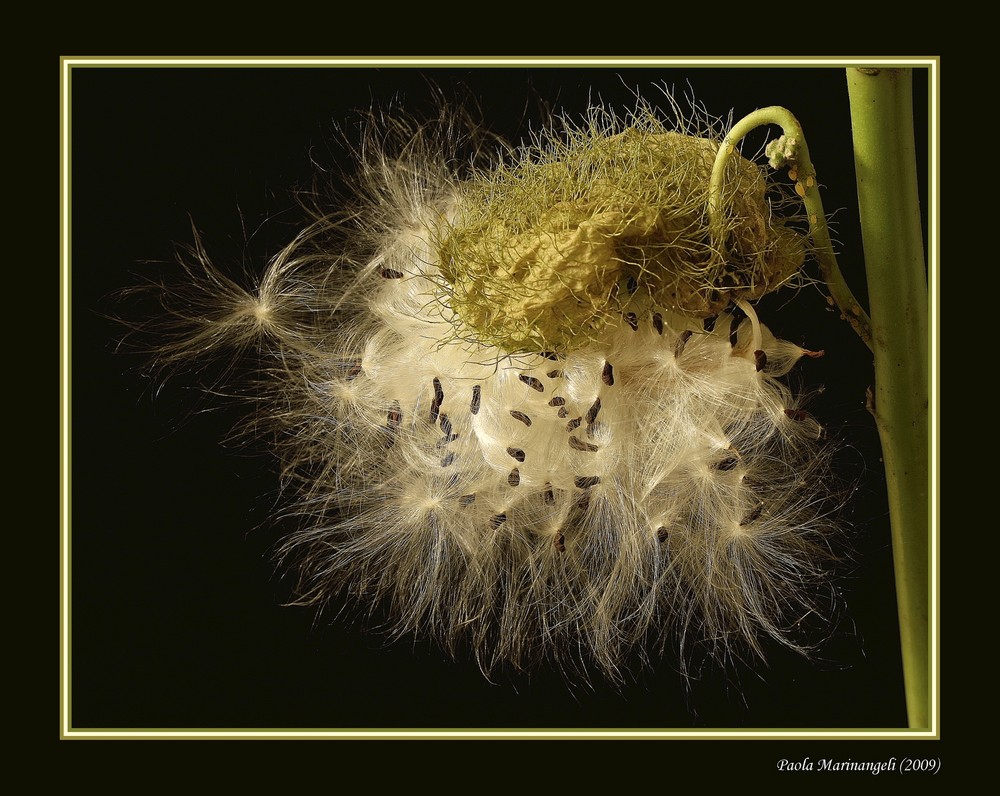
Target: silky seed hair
521, 402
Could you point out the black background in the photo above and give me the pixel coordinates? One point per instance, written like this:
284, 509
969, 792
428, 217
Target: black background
177, 616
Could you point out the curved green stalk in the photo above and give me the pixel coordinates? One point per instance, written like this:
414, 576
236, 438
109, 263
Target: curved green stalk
791, 149
882, 116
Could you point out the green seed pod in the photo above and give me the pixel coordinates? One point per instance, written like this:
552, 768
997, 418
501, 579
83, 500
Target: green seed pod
547, 253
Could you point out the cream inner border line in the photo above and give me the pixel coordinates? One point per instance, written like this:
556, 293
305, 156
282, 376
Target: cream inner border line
478, 61
933, 255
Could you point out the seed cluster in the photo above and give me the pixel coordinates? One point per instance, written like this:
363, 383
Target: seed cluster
651, 480
534, 413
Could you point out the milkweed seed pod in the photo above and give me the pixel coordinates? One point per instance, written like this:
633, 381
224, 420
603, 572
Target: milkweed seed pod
530, 408
578, 233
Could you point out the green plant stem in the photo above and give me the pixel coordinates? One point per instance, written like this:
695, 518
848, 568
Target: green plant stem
807, 187
882, 116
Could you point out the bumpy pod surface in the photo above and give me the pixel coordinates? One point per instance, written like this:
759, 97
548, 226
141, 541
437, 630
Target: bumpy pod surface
580, 231
525, 451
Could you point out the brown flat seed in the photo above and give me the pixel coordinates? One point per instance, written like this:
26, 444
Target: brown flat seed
580, 445
351, 368
632, 321
497, 520
734, 326
709, 323
557, 401
797, 414
476, 397
438, 399
447, 460
658, 322
394, 416
532, 382
563, 412
514, 478
554, 374
608, 374
388, 273
727, 464
466, 500
661, 534
681, 342
550, 355
753, 515
573, 424
587, 481
560, 543
548, 495
520, 416
594, 409
760, 360
393, 419
446, 425
517, 453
